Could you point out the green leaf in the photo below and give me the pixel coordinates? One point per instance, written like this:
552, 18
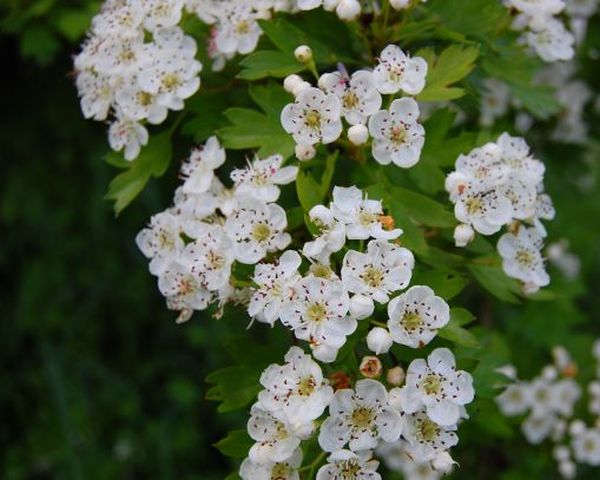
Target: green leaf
445, 283
236, 444
261, 130
461, 316
458, 335
449, 67
235, 387
268, 63
473, 18
152, 161
423, 209
491, 277
310, 191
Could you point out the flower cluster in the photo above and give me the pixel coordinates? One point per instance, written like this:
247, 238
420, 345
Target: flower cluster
549, 400
413, 426
135, 66
545, 33
316, 114
194, 244
501, 184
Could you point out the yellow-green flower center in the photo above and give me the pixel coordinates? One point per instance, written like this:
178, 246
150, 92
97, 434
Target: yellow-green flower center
261, 232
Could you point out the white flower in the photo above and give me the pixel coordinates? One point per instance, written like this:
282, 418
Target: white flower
537, 428
268, 470
297, 388
331, 235
426, 439
586, 447
348, 10
438, 386
275, 438
384, 268
238, 30
261, 177
486, 210
522, 258
161, 14
161, 241
416, 316
274, 287
360, 418
397, 71
515, 153
463, 235
362, 217
515, 400
379, 340
314, 117
397, 137
581, 8
210, 256
495, 101
347, 465
127, 135
552, 41
257, 228
182, 289
198, 170
318, 314
303, 53
358, 96
358, 134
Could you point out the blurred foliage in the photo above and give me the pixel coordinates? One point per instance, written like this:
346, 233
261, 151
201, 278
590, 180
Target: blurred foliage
100, 383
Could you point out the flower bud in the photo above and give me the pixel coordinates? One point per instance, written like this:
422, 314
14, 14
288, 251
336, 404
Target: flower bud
399, 4
330, 5
370, 367
509, 371
340, 380
443, 463
303, 53
348, 10
305, 152
294, 84
379, 340
549, 372
594, 388
567, 469
577, 427
323, 80
463, 235
561, 453
361, 306
358, 134
395, 376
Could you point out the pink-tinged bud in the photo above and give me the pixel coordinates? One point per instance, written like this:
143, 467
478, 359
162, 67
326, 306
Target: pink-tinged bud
305, 152
371, 367
395, 376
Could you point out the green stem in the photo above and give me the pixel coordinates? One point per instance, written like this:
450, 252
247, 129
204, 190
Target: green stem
378, 324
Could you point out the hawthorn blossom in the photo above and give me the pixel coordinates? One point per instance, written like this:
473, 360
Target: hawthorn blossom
127, 135
438, 387
522, 257
397, 71
284, 470
383, 269
198, 170
297, 388
552, 41
416, 316
260, 179
276, 440
344, 464
318, 314
161, 241
275, 284
255, 229
314, 117
362, 217
359, 418
397, 137
426, 438
586, 447
357, 94
237, 30
330, 238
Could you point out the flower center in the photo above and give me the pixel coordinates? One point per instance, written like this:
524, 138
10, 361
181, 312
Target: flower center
398, 135
261, 232
474, 205
349, 470
306, 386
144, 98
242, 27
170, 81
280, 471
412, 321
525, 258
427, 430
312, 119
215, 261
362, 417
432, 384
317, 312
350, 100
373, 277
321, 271
366, 218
